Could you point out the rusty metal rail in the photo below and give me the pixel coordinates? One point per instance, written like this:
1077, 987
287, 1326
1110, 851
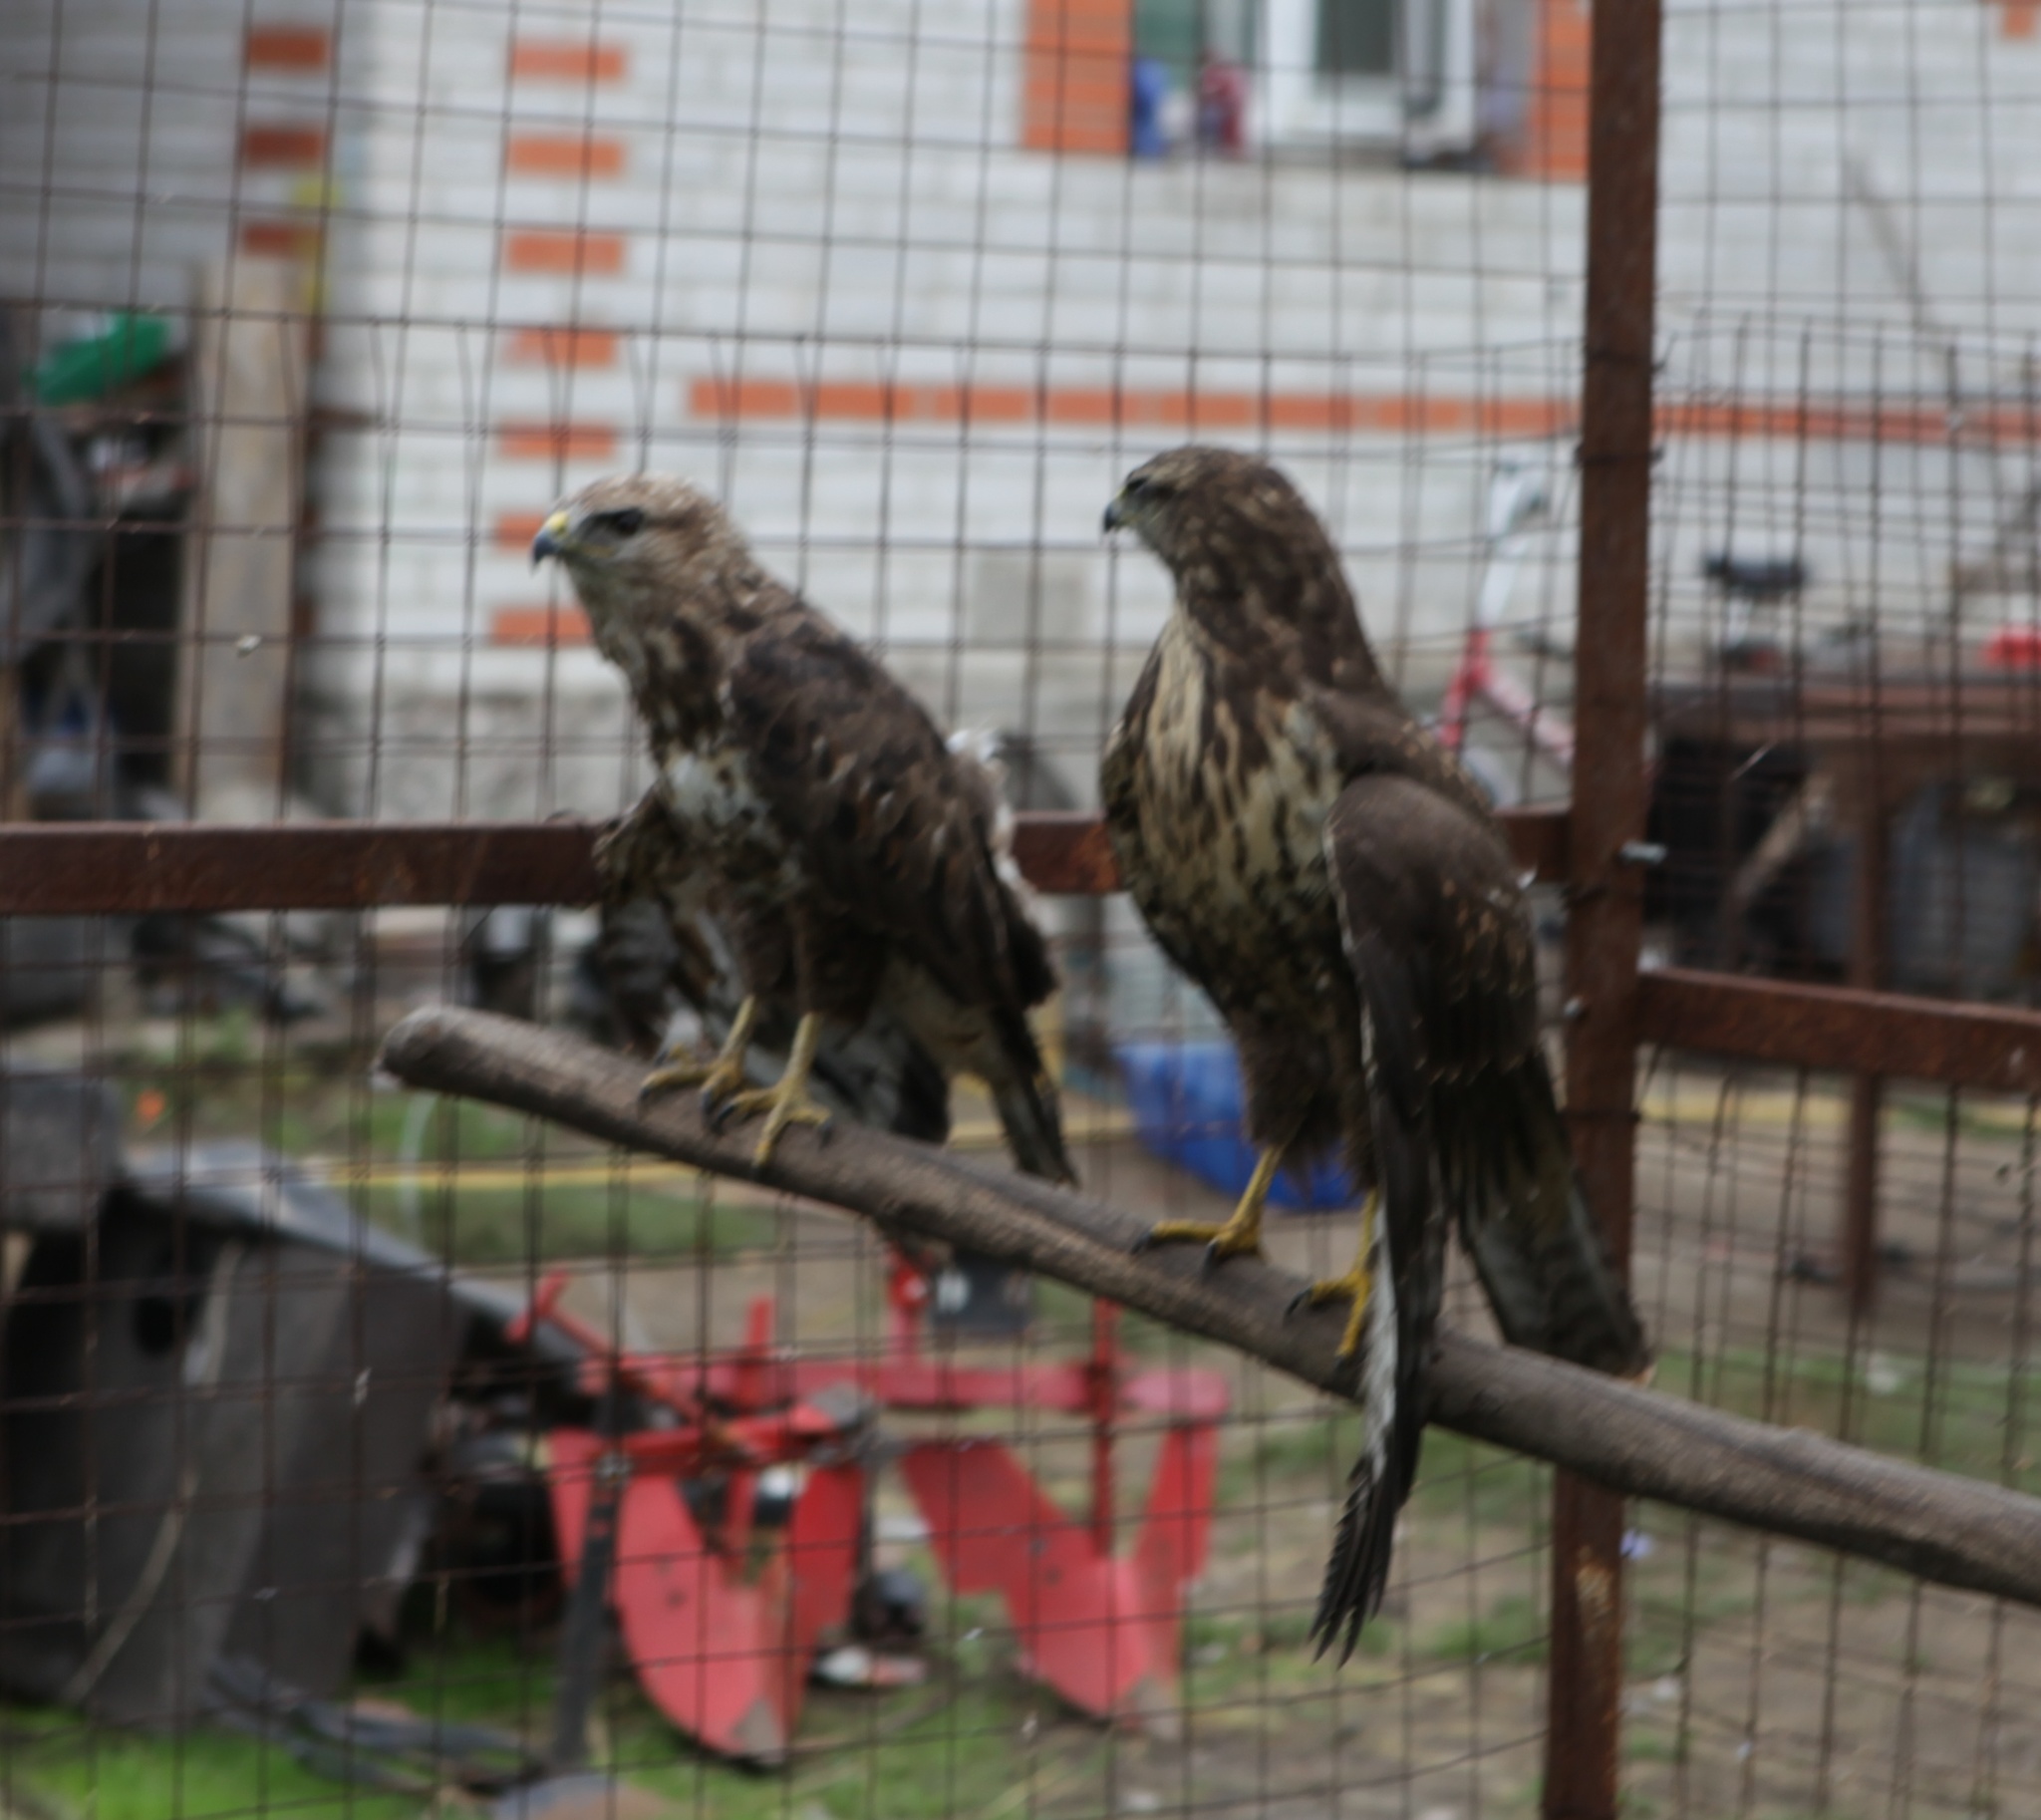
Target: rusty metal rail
1842, 1027
130, 868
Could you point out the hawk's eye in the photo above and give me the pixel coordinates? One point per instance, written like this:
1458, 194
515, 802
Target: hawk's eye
626, 524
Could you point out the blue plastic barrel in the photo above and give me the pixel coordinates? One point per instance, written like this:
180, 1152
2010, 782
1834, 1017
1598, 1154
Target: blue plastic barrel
1187, 1106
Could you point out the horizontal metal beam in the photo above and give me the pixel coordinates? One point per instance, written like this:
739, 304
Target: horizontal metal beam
1065, 854
111, 868
1842, 1029
103, 868
98, 868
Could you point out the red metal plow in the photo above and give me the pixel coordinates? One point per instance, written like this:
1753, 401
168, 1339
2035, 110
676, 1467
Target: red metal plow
727, 1580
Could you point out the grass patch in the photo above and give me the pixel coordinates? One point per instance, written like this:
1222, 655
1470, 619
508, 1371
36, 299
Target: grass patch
1644, 1743
1231, 1658
470, 1183
1306, 1450
920, 1754
200, 1775
1456, 1478
1512, 1630
1495, 1487
508, 1224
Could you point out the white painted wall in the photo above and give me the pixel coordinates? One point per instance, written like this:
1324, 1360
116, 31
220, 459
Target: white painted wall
812, 189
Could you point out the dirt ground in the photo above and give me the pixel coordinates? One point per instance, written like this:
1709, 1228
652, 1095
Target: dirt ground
1764, 1679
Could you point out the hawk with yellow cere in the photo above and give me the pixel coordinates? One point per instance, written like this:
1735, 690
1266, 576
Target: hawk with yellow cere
1325, 870
857, 861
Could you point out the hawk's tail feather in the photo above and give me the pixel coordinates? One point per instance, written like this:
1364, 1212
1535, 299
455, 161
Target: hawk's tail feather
1026, 1099
1027, 1112
1357, 1570
1535, 1242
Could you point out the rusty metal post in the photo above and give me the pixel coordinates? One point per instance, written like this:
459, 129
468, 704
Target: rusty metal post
1584, 1681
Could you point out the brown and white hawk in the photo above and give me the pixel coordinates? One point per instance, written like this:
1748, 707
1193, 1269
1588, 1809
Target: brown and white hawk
854, 858
1326, 871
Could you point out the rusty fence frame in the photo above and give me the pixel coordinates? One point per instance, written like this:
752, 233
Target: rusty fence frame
1614, 1007
133, 870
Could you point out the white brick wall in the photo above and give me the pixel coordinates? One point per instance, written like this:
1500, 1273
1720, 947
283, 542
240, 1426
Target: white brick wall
798, 204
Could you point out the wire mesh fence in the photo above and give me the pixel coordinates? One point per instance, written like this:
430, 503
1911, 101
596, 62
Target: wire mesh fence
315, 1387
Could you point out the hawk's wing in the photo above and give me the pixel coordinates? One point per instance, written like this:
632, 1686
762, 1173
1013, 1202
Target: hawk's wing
1461, 1104
662, 938
899, 838
894, 829
1376, 869
1435, 923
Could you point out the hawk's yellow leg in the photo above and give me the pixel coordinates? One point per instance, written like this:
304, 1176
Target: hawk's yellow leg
717, 1077
1241, 1235
1355, 1286
785, 1102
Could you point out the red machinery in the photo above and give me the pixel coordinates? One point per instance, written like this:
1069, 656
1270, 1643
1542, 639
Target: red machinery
722, 1608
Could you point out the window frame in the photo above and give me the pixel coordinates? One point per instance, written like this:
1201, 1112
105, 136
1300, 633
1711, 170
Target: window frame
1426, 108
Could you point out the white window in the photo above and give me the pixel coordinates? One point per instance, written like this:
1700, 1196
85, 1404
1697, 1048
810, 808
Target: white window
1396, 73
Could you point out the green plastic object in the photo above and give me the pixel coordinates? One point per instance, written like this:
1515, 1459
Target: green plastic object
81, 369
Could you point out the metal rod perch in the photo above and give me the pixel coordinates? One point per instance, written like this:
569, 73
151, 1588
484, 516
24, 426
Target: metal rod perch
1961, 1532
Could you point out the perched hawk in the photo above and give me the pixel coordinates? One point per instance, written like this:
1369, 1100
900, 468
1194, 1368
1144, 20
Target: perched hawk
1325, 869
852, 856
665, 944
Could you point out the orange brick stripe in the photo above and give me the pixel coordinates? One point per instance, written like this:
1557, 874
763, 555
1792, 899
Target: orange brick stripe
547, 625
564, 347
566, 60
568, 250
1102, 407
1074, 90
1922, 424
564, 155
1389, 412
1553, 139
288, 49
2019, 18
556, 441
515, 530
279, 240
273, 147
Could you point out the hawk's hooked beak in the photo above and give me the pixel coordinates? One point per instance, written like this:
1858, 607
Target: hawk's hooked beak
552, 539
1115, 517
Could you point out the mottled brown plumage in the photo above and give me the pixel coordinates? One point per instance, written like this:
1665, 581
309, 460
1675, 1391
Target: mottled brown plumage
665, 948
855, 860
1326, 871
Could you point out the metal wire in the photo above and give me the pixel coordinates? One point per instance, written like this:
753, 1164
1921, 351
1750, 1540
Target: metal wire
324, 302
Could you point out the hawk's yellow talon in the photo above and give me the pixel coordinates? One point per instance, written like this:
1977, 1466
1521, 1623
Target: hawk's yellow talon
1355, 1286
719, 1077
785, 1102
1240, 1236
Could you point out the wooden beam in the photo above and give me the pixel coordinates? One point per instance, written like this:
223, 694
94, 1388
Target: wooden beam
251, 359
